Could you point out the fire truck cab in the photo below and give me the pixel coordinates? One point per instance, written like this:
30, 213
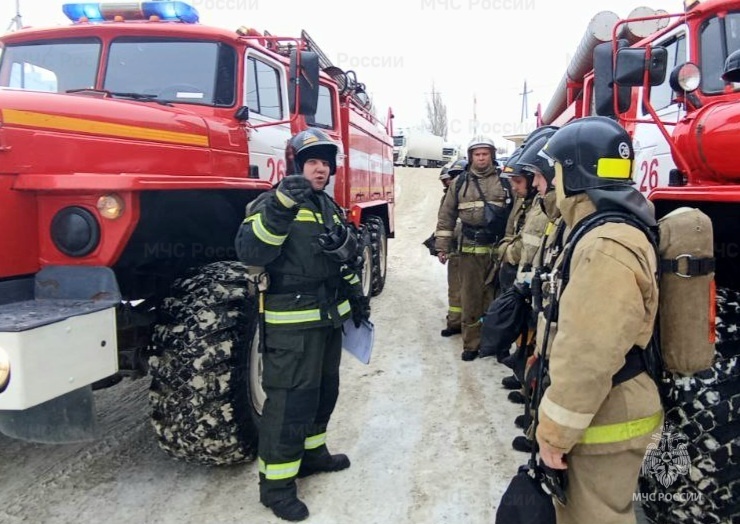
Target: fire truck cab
131, 142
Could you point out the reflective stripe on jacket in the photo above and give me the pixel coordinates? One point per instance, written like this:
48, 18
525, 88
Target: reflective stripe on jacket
307, 287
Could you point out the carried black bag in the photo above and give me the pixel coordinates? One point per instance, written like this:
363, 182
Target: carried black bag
525, 501
495, 216
507, 317
429, 244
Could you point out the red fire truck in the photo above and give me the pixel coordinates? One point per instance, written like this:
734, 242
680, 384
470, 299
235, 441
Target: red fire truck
130, 143
673, 81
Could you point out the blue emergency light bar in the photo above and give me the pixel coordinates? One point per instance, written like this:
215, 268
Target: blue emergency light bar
170, 11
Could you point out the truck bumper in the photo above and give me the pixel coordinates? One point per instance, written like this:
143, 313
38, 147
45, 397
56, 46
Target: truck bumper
52, 360
60, 338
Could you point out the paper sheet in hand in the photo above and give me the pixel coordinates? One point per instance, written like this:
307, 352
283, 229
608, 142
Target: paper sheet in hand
358, 341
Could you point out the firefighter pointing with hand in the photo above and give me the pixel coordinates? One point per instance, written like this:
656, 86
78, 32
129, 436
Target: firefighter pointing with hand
598, 414
299, 235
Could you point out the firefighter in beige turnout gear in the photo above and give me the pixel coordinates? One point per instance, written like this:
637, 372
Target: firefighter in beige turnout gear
454, 307
601, 408
536, 221
542, 240
481, 202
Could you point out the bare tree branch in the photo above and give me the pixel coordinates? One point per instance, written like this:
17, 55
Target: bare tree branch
436, 115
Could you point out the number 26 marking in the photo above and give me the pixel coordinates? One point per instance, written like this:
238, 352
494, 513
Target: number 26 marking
277, 168
649, 180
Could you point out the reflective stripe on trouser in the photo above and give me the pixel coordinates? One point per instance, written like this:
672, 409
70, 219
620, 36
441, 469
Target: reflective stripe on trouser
301, 380
475, 296
301, 316
601, 487
454, 308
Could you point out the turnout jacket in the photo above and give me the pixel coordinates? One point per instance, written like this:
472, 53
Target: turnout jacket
457, 233
463, 201
608, 306
535, 225
510, 248
307, 288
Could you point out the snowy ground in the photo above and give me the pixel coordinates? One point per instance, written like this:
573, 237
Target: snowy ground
428, 435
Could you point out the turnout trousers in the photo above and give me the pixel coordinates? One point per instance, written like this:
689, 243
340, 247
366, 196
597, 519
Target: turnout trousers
454, 308
601, 488
475, 295
301, 380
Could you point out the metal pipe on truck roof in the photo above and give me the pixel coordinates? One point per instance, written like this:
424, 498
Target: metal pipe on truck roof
599, 30
636, 31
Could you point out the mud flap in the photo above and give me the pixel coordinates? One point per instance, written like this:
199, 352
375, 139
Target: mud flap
66, 419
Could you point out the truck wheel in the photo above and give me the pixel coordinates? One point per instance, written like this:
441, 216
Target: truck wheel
205, 391
367, 265
703, 414
379, 245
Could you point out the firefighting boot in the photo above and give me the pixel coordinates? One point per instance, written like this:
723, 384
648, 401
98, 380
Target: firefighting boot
320, 460
467, 355
281, 496
509, 361
522, 444
511, 382
516, 397
523, 421
448, 331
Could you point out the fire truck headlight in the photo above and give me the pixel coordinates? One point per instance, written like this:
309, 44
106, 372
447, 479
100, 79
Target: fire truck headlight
685, 78
4, 370
75, 231
110, 206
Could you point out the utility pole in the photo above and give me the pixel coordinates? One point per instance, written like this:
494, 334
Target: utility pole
16, 20
475, 115
525, 103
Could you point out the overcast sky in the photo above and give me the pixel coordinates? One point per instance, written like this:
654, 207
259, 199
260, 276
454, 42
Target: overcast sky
399, 48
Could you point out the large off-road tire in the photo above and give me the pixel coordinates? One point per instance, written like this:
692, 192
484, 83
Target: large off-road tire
366, 271
203, 373
379, 245
703, 414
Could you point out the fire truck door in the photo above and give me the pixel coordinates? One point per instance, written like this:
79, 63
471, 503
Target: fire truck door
266, 96
653, 159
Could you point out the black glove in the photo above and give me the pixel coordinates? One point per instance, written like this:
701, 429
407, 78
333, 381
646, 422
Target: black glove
360, 309
293, 190
340, 243
555, 482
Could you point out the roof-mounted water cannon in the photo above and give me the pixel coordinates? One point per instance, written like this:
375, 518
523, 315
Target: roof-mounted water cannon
163, 10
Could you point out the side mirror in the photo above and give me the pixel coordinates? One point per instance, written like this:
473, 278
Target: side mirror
631, 65
306, 83
242, 114
604, 81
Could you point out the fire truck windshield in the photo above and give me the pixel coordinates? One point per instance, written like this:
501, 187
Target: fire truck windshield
719, 38
52, 66
190, 72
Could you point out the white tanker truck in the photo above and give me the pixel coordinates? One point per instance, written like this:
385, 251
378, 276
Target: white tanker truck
418, 149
